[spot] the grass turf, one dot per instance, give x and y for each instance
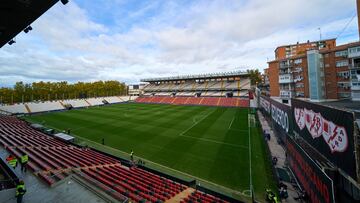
(211, 143)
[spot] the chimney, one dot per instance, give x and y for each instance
(358, 15)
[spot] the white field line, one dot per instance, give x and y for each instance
(193, 125)
(231, 122)
(214, 141)
(250, 171)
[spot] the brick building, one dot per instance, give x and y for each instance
(317, 70)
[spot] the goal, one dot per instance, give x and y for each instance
(251, 120)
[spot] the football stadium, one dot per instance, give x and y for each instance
(198, 130)
(107, 108)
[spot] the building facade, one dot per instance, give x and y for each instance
(289, 51)
(323, 72)
(136, 90)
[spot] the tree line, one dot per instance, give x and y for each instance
(255, 76)
(48, 91)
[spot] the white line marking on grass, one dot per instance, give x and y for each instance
(214, 141)
(250, 171)
(193, 125)
(231, 122)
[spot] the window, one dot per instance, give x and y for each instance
(344, 95)
(298, 61)
(343, 74)
(354, 50)
(341, 53)
(299, 85)
(298, 78)
(327, 65)
(344, 85)
(326, 55)
(297, 70)
(342, 63)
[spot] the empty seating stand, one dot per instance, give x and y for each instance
(52, 160)
(205, 101)
(198, 196)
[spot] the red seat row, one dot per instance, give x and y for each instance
(206, 101)
(136, 183)
(198, 196)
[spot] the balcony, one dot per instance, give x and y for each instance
(286, 78)
(354, 66)
(298, 70)
(285, 65)
(284, 71)
(354, 52)
(355, 88)
(286, 94)
(298, 78)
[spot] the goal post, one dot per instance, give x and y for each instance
(251, 120)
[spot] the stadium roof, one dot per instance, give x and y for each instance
(199, 76)
(17, 15)
(345, 104)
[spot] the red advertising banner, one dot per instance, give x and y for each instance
(318, 186)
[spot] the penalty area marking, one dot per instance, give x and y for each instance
(193, 125)
(231, 122)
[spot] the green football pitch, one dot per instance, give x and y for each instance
(209, 143)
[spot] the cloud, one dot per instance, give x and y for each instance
(126, 40)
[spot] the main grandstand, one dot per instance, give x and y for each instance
(218, 89)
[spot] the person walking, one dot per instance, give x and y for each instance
(24, 160)
(20, 191)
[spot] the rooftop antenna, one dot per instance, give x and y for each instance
(319, 32)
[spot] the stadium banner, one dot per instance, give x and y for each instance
(317, 184)
(281, 116)
(265, 104)
(328, 130)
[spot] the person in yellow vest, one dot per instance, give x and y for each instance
(13, 162)
(20, 191)
(23, 161)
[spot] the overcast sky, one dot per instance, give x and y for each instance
(128, 40)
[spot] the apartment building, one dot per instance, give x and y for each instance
(324, 72)
(289, 51)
